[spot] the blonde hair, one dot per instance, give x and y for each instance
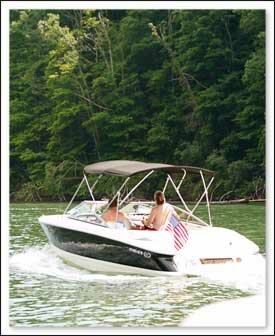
(159, 197)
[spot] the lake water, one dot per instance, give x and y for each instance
(44, 291)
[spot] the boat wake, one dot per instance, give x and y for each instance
(43, 261)
(247, 276)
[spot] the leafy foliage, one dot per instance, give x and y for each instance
(178, 86)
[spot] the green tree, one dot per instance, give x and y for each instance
(177, 86)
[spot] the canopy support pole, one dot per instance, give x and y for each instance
(99, 177)
(183, 177)
(165, 185)
(118, 192)
(195, 217)
(178, 186)
(177, 191)
(206, 195)
(118, 196)
(205, 192)
(135, 187)
(71, 201)
(90, 190)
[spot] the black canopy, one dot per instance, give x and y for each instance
(129, 168)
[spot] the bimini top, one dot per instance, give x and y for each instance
(129, 168)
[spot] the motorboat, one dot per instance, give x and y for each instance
(81, 236)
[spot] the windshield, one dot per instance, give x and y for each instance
(143, 208)
(88, 207)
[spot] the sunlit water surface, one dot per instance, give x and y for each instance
(46, 292)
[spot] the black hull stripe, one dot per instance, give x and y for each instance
(100, 248)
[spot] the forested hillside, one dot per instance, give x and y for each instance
(180, 86)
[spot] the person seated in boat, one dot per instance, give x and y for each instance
(157, 219)
(115, 218)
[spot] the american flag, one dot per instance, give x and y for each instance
(179, 231)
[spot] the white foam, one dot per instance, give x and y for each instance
(43, 261)
(248, 275)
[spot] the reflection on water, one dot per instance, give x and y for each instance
(47, 292)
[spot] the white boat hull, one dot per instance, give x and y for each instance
(149, 253)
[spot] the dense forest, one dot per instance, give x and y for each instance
(173, 86)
